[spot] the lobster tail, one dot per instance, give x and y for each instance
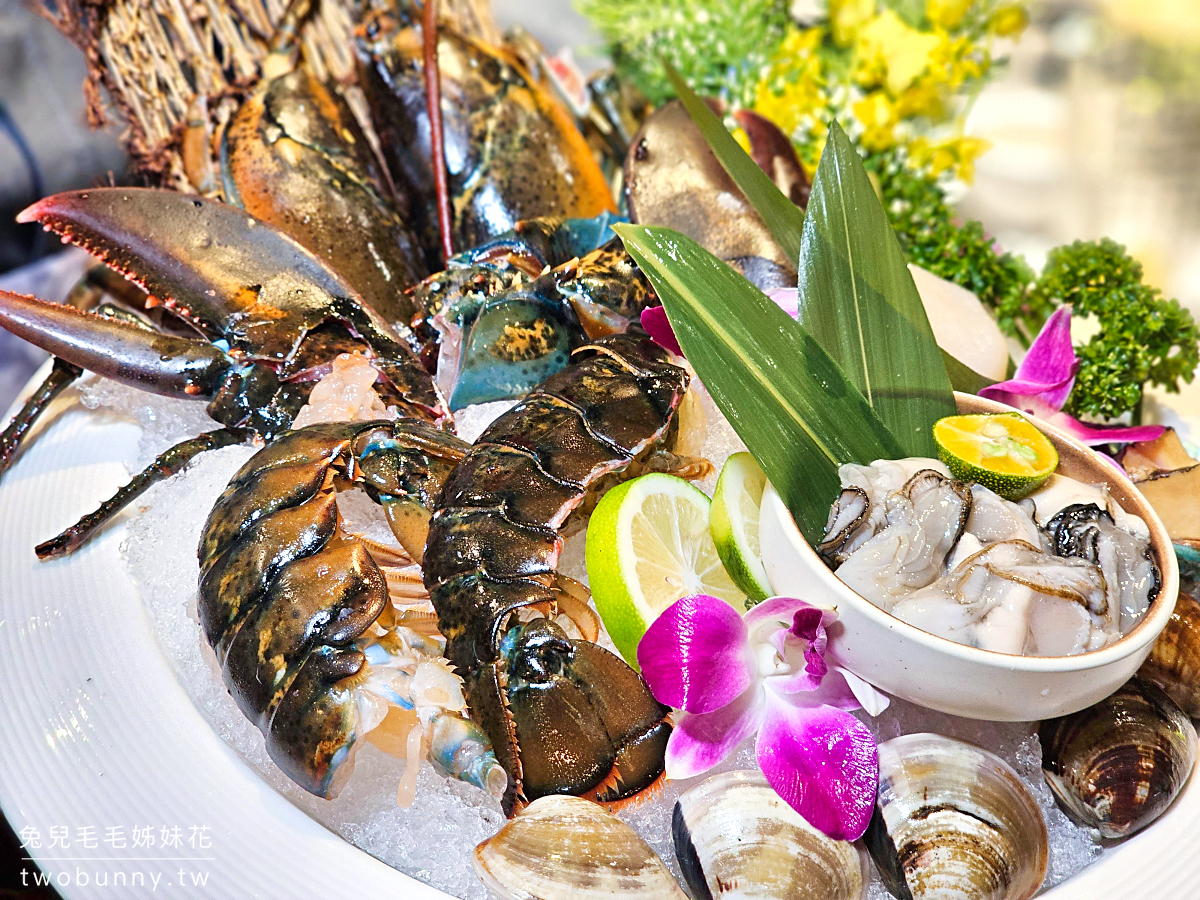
(287, 598)
(564, 715)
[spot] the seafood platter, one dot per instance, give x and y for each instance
(458, 469)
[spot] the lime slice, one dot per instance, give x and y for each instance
(733, 522)
(1004, 452)
(648, 544)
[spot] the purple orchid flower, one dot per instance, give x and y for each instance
(654, 319)
(1044, 380)
(765, 671)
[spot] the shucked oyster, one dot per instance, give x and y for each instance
(922, 524)
(1131, 577)
(967, 565)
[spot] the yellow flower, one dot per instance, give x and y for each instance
(922, 98)
(878, 117)
(955, 155)
(792, 90)
(904, 50)
(957, 60)
(946, 13)
(742, 138)
(846, 17)
(1009, 21)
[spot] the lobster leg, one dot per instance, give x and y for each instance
(61, 375)
(167, 464)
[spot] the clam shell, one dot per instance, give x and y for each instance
(1117, 765)
(568, 848)
(954, 821)
(1174, 661)
(736, 838)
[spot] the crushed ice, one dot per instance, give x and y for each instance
(432, 839)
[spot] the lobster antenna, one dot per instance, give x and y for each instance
(437, 138)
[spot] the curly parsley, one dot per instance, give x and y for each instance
(1143, 338)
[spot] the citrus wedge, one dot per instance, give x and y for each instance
(1004, 452)
(733, 521)
(648, 544)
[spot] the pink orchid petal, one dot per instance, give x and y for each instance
(700, 741)
(1017, 392)
(787, 299)
(803, 690)
(823, 762)
(1048, 370)
(695, 656)
(654, 320)
(796, 630)
(782, 611)
(1094, 435)
(1089, 435)
(809, 626)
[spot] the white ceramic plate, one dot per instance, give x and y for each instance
(96, 732)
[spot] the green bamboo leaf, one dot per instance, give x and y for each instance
(858, 299)
(782, 217)
(786, 398)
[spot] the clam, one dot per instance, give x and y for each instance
(568, 848)
(1174, 660)
(954, 821)
(736, 838)
(1117, 765)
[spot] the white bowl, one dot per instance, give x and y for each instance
(907, 662)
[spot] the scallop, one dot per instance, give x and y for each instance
(568, 848)
(954, 822)
(1117, 765)
(736, 839)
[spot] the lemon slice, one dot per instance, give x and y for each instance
(733, 522)
(1004, 452)
(648, 544)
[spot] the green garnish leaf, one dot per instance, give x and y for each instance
(787, 399)
(721, 47)
(783, 218)
(1143, 337)
(858, 299)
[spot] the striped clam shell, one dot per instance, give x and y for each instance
(1117, 765)
(1174, 661)
(568, 848)
(954, 822)
(736, 838)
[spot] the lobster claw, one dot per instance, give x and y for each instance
(228, 274)
(165, 364)
(580, 721)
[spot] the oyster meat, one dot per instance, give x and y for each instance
(1063, 572)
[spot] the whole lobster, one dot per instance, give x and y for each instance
(273, 312)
